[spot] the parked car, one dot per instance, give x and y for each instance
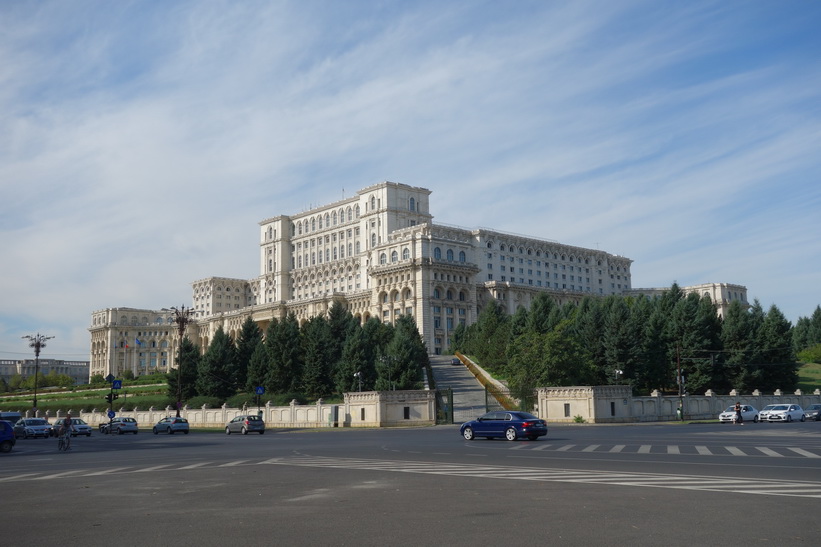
(120, 426)
(786, 413)
(80, 427)
(245, 423)
(455, 361)
(171, 425)
(748, 413)
(7, 438)
(12, 417)
(764, 413)
(510, 425)
(32, 427)
(813, 412)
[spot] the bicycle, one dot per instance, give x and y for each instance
(64, 441)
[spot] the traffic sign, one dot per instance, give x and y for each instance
(117, 384)
(260, 390)
(111, 414)
(109, 378)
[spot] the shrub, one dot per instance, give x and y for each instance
(579, 420)
(241, 399)
(200, 401)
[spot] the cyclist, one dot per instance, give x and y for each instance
(66, 427)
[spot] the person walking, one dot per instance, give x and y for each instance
(739, 419)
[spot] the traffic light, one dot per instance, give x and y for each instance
(116, 395)
(109, 398)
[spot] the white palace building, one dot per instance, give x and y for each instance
(381, 255)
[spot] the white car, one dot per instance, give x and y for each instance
(748, 413)
(785, 413)
(765, 412)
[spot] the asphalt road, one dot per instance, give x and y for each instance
(666, 484)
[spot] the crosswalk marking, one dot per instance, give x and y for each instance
(618, 448)
(769, 451)
(565, 448)
(735, 451)
(645, 449)
(673, 449)
(805, 453)
(591, 448)
(650, 480)
(704, 451)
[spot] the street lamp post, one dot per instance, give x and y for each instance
(359, 375)
(182, 316)
(38, 341)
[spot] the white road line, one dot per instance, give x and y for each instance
(644, 449)
(768, 451)
(591, 448)
(196, 465)
(673, 449)
(148, 469)
(232, 464)
(18, 477)
(735, 451)
(565, 448)
(57, 475)
(543, 446)
(704, 451)
(105, 471)
(618, 448)
(803, 452)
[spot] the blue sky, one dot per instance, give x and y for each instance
(142, 142)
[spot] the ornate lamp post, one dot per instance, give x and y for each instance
(182, 316)
(38, 341)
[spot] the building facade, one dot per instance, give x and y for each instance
(77, 370)
(380, 254)
(722, 294)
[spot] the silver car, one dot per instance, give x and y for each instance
(748, 414)
(120, 426)
(786, 413)
(244, 424)
(32, 427)
(78, 427)
(765, 412)
(171, 425)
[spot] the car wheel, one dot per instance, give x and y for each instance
(227, 430)
(789, 418)
(803, 418)
(510, 434)
(533, 437)
(755, 419)
(185, 431)
(468, 434)
(169, 431)
(120, 432)
(244, 431)
(262, 432)
(5, 447)
(88, 434)
(155, 431)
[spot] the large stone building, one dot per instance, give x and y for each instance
(380, 254)
(77, 370)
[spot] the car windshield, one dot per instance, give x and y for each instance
(770, 407)
(730, 409)
(36, 422)
(779, 407)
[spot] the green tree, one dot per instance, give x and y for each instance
(217, 368)
(355, 365)
(188, 358)
(399, 366)
(316, 366)
(249, 338)
(258, 366)
(780, 370)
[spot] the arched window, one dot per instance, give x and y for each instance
(334, 218)
(394, 256)
(313, 224)
(373, 240)
(327, 218)
(462, 296)
(412, 204)
(436, 293)
(373, 203)
(405, 253)
(437, 253)
(383, 259)
(502, 247)
(449, 295)
(461, 256)
(357, 247)
(450, 255)
(489, 245)
(300, 228)
(350, 214)
(356, 211)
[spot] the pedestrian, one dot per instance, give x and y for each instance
(739, 419)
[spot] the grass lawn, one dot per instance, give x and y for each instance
(809, 377)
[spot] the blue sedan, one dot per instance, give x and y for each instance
(510, 425)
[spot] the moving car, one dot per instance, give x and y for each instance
(171, 425)
(80, 427)
(786, 413)
(32, 427)
(813, 412)
(748, 413)
(7, 439)
(507, 424)
(455, 361)
(120, 426)
(245, 423)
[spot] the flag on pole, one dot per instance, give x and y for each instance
(137, 340)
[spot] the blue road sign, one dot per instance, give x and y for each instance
(111, 414)
(260, 390)
(117, 384)
(109, 378)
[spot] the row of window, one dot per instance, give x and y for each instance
(326, 221)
